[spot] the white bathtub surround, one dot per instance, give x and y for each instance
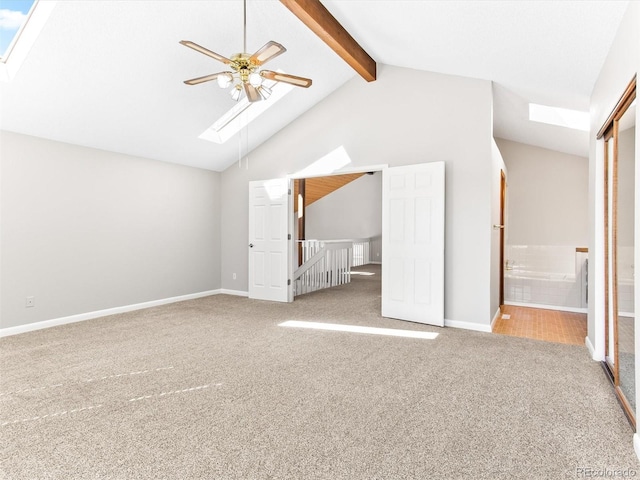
(546, 276)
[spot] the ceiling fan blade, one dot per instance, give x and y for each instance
(206, 51)
(283, 77)
(252, 93)
(267, 52)
(206, 78)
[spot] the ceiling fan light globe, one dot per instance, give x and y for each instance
(255, 79)
(264, 92)
(224, 80)
(236, 92)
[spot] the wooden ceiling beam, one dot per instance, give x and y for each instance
(315, 16)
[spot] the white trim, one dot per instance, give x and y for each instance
(375, 263)
(592, 351)
(495, 318)
(30, 327)
(237, 293)
(636, 444)
(548, 307)
(467, 325)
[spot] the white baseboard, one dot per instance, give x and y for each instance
(478, 327)
(495, 318)
(597, 356)
(592, 351)
(30, 327)
(237, 293)
(548, 307)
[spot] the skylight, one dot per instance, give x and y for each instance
(13, 17)
(562, 117)
(243, 113)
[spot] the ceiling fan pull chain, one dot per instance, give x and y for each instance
(246, 137)
(240, 148)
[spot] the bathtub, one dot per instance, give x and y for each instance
(563, 291)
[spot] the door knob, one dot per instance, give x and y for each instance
(251, 245)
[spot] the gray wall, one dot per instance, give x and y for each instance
(548, 195)
(353, 211)
(85, 230)
(443, 118)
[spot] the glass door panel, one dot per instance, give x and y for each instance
(624, 253)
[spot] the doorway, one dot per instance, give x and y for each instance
(412, 229)
(503, 199)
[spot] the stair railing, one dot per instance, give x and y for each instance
(327, 263)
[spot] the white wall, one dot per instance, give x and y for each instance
(353, 211)
(548, 196)
(85, 230)
(445, 118)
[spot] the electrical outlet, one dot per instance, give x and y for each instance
(234, 276)
(31, 302)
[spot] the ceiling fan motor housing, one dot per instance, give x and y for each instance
(242, 64)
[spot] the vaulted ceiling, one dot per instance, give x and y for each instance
(109, 75)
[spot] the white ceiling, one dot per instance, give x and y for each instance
(109, 75)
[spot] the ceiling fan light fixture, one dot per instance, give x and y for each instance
(225, 79)
(255, 79)
(236, 92)
(264, 92)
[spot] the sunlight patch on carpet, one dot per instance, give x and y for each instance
(172, 392)
(60, 414)
(358, 329)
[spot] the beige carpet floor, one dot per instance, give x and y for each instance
(214, 389)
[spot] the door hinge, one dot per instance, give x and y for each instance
(289, 281)
(289, 191)
(289, 236)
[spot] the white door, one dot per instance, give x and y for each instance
(269, 240)
(413, 243)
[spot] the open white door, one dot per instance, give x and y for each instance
(269, 240)
(413, 243)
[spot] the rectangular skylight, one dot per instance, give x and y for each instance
(13, 17)
(562, 117)
(243, 113)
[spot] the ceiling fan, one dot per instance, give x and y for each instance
(245, 73)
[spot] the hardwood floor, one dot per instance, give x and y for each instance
(540, 324)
